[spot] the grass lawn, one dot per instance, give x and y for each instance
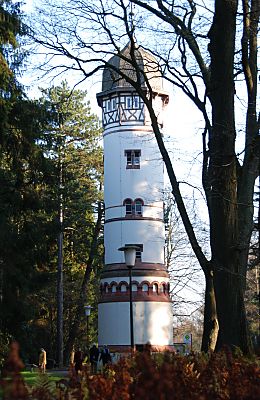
(31, 377)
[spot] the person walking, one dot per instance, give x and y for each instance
(78, 360)
(72, 357)
(105, 356)
(93, 358)
(42, 360)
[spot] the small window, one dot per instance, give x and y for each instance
(134, 287)
(135, 102)
(133, 207)
(132, 102)
(155, 288)
(113, 289)
(138, 207)
(145, 287)
(108, 105)
(123, 288)
(128, 207)
(129, 102)
(113, 104)
(136, 157)
(133, 158)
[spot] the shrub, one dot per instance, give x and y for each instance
(219, 376)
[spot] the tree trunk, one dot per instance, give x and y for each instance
(228, 281)
(82, 299)
(210, 326)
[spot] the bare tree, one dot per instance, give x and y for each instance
(184, 270)
(199, 52)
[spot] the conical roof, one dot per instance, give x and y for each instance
(145, 61)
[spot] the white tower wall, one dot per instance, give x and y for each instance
(149, 233)
(152, 323)
(125, 182)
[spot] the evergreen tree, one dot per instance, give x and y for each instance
(72, 142)
(24, 239)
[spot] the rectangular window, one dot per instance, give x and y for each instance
(136, 157)
(132, 102)
(114, 104)
(138, 256)
(108, 105)
(133, 158)
(135, 102)
(129, 102)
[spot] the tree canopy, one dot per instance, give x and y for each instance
(34, 136)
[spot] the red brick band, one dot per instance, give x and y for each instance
(138, 296)
(140, 347)
(133, 218)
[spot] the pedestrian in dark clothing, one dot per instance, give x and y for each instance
(93, 358)
(105, 356)
(78, 359)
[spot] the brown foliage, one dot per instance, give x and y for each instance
(220, 376)
(11, 380)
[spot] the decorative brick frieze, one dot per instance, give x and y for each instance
(121, 349)
(141, 291)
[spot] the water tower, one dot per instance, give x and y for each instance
(133, 186)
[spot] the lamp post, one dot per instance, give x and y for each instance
(130, 254)
(60, 294)
(87, 313)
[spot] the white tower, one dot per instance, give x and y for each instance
(133, 186)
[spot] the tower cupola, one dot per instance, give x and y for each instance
(119, 95)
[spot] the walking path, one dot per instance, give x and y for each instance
(61, 372)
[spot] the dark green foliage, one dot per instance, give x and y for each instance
(71, 141)
(34, 136)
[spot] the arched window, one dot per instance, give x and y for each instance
(128, 203)
(138, 206)
(133, 207)
(134, 287)
(145, 287)
(155, 288)
(113, 288)
(123, 287)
